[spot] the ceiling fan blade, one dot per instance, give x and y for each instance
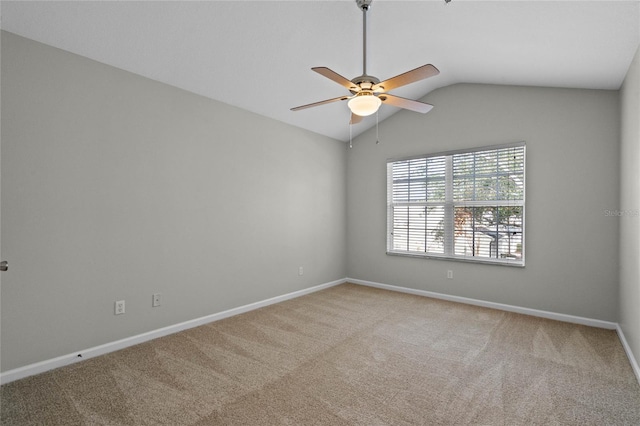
(355, 119)
(410, 104)
(327, 101)
(408, 77)
(332, 75)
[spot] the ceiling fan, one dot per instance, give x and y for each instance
(367, 91)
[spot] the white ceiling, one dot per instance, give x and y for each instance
(257, 55)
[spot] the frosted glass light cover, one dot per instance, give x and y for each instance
(364, 105)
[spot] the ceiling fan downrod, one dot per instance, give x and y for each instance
(364, 6)
(364, 81)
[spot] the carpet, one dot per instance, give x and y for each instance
(347, 355)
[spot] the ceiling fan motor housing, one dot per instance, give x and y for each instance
(364, 82)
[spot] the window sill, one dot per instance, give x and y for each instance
(483, 261)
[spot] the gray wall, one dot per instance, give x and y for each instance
(630, 202)
(116, 187)
(572, 141)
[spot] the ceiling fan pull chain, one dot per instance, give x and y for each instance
(350, 135)
(377, 135)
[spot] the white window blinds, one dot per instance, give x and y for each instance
(466, 205)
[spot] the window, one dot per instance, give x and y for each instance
(464, 205)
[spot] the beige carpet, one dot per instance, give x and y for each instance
(348, 355)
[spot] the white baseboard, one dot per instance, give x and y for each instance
(500, 306)
(627, 349)
(61, 361)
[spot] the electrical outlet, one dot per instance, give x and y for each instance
(157, 300)
(300, 270)
(450, 274)
(119, 307)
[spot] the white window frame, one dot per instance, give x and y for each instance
(449, 205)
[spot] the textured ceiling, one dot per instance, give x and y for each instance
(257, 55)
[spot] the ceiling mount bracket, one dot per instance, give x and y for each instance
(364, 4)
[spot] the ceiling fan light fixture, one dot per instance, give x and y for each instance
(368, 91)
(364, 103)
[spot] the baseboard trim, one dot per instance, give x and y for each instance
(627, 349)
(500, 306)
(61, 361)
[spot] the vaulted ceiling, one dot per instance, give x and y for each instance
(257, 55)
